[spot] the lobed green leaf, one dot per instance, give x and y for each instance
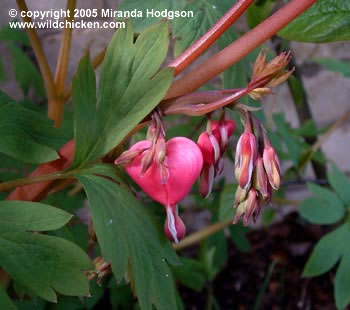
(129, 239)
(130, 87)
(25, 134)
(45, 264)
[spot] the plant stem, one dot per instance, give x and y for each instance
(31, 180)
(214, 228)
(238, 49)
(204, 42)
(56, 107)
(39, 54)
(202, 234)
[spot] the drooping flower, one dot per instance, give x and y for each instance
(184, 161)
(260, 179)
(213, 144)
(272, 166)
(246, 153)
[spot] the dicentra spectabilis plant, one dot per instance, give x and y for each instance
(126, 233)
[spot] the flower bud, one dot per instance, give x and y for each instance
(226, 130)
(260, 179)
(206, 180)
(174, 227)
(206, 147)
(272, 166)
(245, 159)
(247, 207)
(240, 195)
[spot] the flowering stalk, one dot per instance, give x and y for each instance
(56, 107)
(39, 54)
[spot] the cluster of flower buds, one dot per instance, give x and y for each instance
(271, 74)
(213, 144)
(166, 171)
(101, 269)
(257, 169)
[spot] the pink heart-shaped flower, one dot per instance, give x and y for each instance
(184, 160)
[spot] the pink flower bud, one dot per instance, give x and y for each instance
(184, 162)
(206, 180)
(174, 227)
(247, 207)
(260, 179)
(245, 159)
(226, 129)
(272, 166)
(206, 148)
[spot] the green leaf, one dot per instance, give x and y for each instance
(259, 11)
(25, 133)
(190, 274)
(84, 107)
(130, 87)
(44, 264)
(238, 235)
(307, 129)
(325, 21)
(128, 237)
(342, 281)
(227, 199)
(318, 211)
(188, 30)
(32, 216)
(324, 208)
(26, 73)
(340, 183)
(335, 65)
(327, 252)
(8, 34)
(5, 301)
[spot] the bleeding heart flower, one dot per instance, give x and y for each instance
(213, 144)
(272, 166)
(184, 162)
(245, 159)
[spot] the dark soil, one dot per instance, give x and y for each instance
(289, 245)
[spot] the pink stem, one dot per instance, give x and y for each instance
(238, 49)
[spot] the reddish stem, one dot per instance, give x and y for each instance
(238, 49)
(204, 42)
(37, 191)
